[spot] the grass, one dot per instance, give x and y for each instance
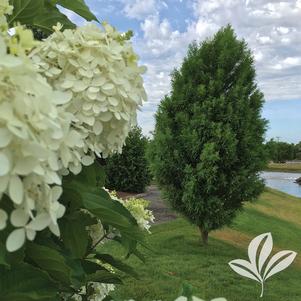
(180, 258)
(284, 167)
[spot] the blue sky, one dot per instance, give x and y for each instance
(163, 30)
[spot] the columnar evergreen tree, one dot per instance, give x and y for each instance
(129, 171)
(208, 141)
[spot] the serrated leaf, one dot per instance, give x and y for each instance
(78, 275)
(244, 268)
(79, 7)
(93, 175)
(284, 258)
(49, 17)
(26, 283)
(91, 267)
(104, 276)
(74, 236)
(130, 246)
(108, 210)
(25, 11)
(118, 264)
(51, 261)
(3, 252)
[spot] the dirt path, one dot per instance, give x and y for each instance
(160, 210)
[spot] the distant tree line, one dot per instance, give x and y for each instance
(279, 151)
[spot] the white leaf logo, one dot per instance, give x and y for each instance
(258, 267)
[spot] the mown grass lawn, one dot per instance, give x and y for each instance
(284, 167)
(180, 258)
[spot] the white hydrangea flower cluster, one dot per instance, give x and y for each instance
(5, 9)
(97, 292)
(143, 216)
(54, 121)
(100, 291)
(96, 232)
(32, 134)
(183, 298)
(138, 209)
(99, 68)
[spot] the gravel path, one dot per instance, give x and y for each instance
(160, 210)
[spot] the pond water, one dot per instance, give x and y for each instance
(283, 181)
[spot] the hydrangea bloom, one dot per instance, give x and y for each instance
(33, 133)
(143, 216)
(138, 209)
(5, 9)
(83, 101)
(97, 292)
(99, 68)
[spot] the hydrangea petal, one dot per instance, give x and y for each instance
(5, 137)
(4, 164)
(54, 229)
(15, 240)
(19, 218)
(87, 160)
(16, 190)
(31, 234)
(40, 222)
(3, 183)
(25, 166)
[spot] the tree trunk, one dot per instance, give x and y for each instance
(204, 235)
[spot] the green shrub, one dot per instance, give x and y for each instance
(129, 170)
(208, 140)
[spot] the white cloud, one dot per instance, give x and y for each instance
(138, 9)
(289, 62)
(264, 39)
(271, 29)
(283, 30)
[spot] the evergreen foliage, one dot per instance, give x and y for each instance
(129, 170)
(208, 142)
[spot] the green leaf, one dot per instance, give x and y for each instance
(25, 11)
(51, 261)
(93, 175)
(75, 236)
(113, 213)
(38, 13)
(99, 202)
(3, 252)
(187, 291)
(79, 7)
(118, 264)
(26, 283)
(98, 273)
(104, 276)
(130, 246)
(78, 275)
(91, 267)
(49, 17)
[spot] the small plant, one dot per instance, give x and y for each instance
(260, 267)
